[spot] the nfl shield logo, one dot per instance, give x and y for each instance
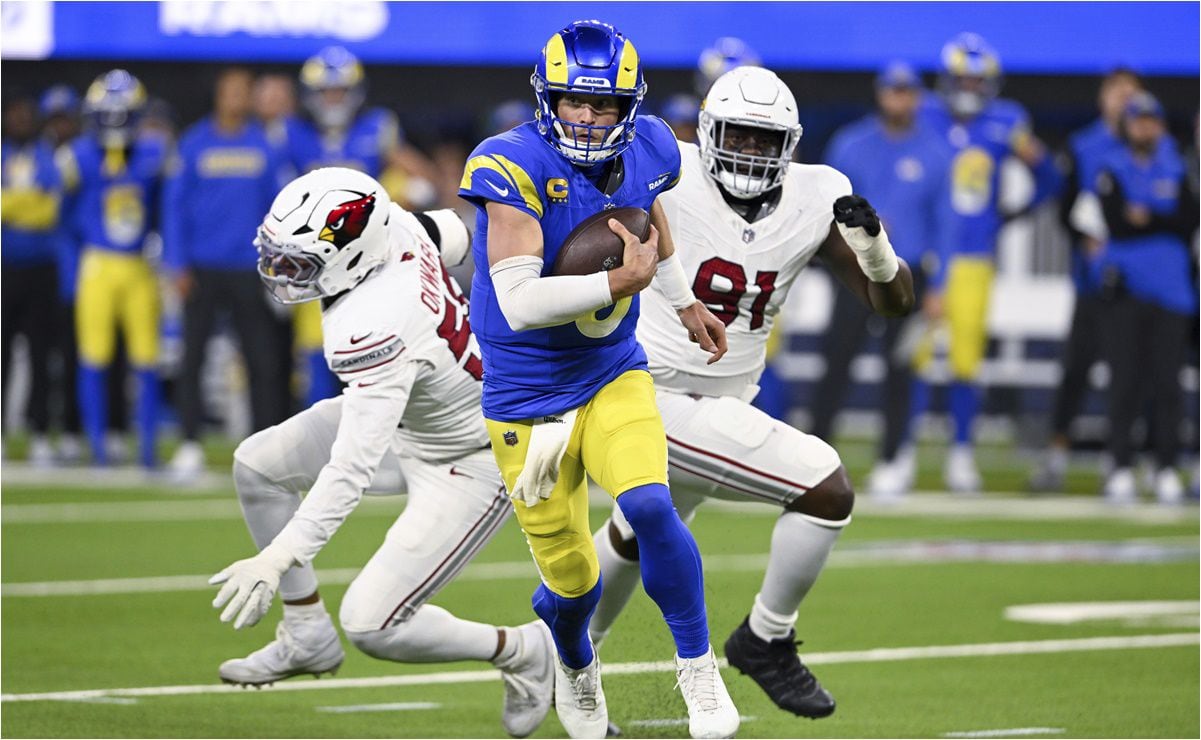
(748, 236)
(510, 438)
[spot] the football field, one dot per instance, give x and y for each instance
(1001, 616)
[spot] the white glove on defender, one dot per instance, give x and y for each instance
(250, 585)
(861, 230)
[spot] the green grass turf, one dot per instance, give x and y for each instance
(153, 639)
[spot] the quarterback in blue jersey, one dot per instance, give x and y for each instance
(112, 177)
(566, 389)
(983, 130)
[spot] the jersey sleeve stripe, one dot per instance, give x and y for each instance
(483, 161)
(357, 350)
(735, 463)
(524, 183)
(370, 367)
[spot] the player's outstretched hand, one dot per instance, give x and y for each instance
(250, 585)
(705, 329)
(638, 262)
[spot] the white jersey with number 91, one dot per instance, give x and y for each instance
(741, 271)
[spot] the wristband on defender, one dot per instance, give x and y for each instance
(674, 283)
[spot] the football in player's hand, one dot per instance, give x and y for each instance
(593, 247)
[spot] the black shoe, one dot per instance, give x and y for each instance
(779, 672)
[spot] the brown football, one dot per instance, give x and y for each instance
(593, 247)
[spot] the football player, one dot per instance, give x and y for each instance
(566, 390)
(112, 176)
(748, 220)
(337, 131)
(983, 130)
(396, 332)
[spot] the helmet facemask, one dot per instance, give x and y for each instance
(290, 273)
(582, 143)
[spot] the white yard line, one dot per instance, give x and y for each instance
(1003, 506)
(1015, 732)
(877, 655)
(397, 706)
(673, 722)
(868, 554)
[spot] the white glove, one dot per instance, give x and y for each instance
(543, 456)
(250, 585)
(861, 230)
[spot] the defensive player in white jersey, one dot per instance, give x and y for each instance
(396, 332)
(748, 221)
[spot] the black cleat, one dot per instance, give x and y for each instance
(778, 670)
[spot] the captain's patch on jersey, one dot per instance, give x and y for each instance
(365, 358)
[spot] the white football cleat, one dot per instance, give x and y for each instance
(41, 454)
(1168, 488)
(887, 484)
(711, 711)
(529, 678)
(301, 646)
(1121, 488)
(70, 451)
(580, 700)
(187, 464)
(960, 473)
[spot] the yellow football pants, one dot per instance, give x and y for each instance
(116, 290)
(618, 441)
(968, 290)
(306, 323)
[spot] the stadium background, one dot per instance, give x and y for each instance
(443, 71)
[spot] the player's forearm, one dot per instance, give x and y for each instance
(895, 297)
(667, 246)
(530, 301)
(364, 436)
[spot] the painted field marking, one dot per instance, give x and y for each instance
(1130, 613)
(1017, 731)
(870, 554)
(396, 706)
(877, 655)
(673, 722)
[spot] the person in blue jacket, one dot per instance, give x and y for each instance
(1086, 148)
(1149, 213)
(28, 224)
(222, 180)
(902, 167)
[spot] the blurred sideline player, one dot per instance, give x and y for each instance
(902, 167)
(396, 332)
(1086, 149)
(566, 391)
(29, 221)
(982, 130)
(748, 220)
(112, 178)
(339, 132)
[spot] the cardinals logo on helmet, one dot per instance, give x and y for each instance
(346, 222)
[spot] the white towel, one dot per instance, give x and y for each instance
(548, 441)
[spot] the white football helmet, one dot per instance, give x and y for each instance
(752, 98)
(325, 232)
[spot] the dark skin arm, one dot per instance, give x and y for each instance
(894, 298)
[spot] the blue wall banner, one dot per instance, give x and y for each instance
(1050, 37)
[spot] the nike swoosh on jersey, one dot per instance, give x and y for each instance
(356, 340)
(503, 192)
(455, 471)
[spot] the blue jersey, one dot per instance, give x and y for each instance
(364, 146)
(220, 186)
(547, 371)
(30, 201)
(980, 145)
(1155, 267)
(906, 178)
(114, 193)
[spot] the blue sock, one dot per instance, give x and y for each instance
(965, 403)
(92, 388)
(322, 382)
(919, 403)
(568, 621)
(671, 565)
(147, 415)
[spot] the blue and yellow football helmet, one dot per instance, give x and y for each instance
(112, 107)
(334, 87)
(970, 75)
(727, 53)
(588, 58)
